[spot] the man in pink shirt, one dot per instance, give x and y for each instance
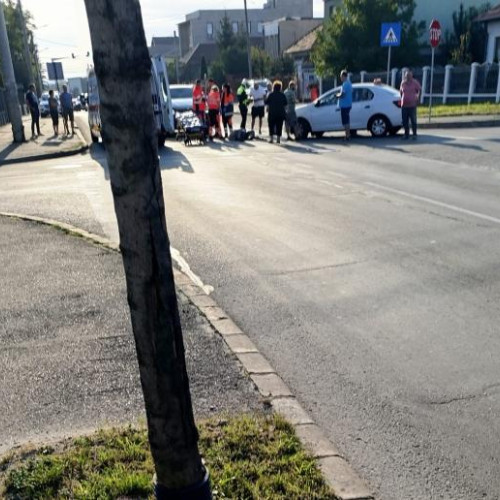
(410, 94)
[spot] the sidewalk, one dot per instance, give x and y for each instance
(44, 147)
(68, 363)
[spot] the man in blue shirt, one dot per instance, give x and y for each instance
(345, 103)
(66, 100)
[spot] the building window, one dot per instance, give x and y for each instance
(496, 55)
(235, 27)
(260, 28)
(331, 11)
(210, 30)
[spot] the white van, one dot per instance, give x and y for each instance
(160, 95)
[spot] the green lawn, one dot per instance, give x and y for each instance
(483, 108)
(248, 458)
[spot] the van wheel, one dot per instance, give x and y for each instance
(302, 129)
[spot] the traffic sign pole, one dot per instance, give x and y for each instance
(434, 39)
(432, 83)
(389, 64)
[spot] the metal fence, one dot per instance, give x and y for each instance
(451, 84)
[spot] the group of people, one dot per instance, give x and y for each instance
(220, 106)
(66, 101)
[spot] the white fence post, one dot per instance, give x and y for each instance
(394, 74)
(473, 79)
(425, 78)
(362, 75)
(497, 97)
(447, 79)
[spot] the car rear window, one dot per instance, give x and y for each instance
(185, 93)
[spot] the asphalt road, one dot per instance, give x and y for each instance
(367, 273)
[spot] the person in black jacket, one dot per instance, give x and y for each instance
(276, 102)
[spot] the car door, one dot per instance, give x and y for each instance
(326, 113)
(362, 107)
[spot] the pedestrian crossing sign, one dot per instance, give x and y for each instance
(390, 35)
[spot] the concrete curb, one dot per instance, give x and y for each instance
(50, 156)
(340, 476)
(460, 124)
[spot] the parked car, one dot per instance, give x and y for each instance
(375, 107)
(182, 97)
(77, 105)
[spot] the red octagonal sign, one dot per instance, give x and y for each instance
(435, 33)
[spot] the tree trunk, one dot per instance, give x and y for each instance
(123, 69)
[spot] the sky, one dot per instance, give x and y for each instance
(62, 29)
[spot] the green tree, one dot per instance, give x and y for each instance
(232, 58)
(351, 37)
(467, 43)
(14, 20)
(261, 62)
(282, 67)
(203, 68)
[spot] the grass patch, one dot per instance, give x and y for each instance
(248, 458)
(480, 108)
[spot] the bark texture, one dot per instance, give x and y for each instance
(123, 69)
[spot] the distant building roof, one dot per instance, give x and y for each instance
(167, 46)
(491, 15)
(207, 50)
(306, 43)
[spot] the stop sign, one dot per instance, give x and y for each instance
(435, 33)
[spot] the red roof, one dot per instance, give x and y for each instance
(491, 15)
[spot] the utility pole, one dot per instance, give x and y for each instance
(248, 42)
(27, 55)
(13, 108)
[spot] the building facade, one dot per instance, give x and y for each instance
(202, 26)
(492, 21)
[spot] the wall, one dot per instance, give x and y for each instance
(493, 36)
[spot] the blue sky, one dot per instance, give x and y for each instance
(62, 25)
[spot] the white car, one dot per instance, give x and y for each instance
(182, 97)
(375, 107)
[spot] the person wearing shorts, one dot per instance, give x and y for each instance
(345, 103)
(67, 110)
(258, 94)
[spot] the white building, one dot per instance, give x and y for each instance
(492, 20)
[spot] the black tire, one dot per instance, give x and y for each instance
(302, 130)
(394, 130)
(379, 126)
(318, 135)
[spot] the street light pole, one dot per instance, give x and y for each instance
(13, 108)
(248, 41)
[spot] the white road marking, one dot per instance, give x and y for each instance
(454, 208)
(181, 262)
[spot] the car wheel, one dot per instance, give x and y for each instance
(379, 126)
(318, 135)
(302, 129)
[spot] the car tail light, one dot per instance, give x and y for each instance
(397, 103)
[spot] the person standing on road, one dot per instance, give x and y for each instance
(257, 94)
(227, 109)
(67, 110)
(214, 113)
(276, 102)
(54, 112)
(32, 102)
(345, 103)
(410, 93)
(291, 116)
(242, 96)
(199, 101)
